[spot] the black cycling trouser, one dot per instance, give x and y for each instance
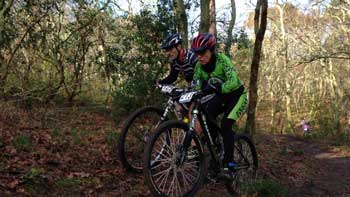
(232, 103)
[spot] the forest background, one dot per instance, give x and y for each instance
(104, 56)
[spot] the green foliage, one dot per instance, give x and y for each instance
(68, 183)
(57, 132)
(76, 136)
(142, 65)
(242, 40)
(112, 138)
(326, 122)
(34, 172)
(87, 53)
(22, 142)
(265, 187)
(298, 152)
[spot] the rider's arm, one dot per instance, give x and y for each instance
(197, 76)
(232, 83)
(189, 74)
(171, 78)
(189, 70)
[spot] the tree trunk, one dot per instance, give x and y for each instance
(205, 17)
(273, 111)
(285, 66)
(260, 19)
(257, 20)
(212, 25)
(181, 19)
(229, 40)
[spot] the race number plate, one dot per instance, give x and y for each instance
(187, 97)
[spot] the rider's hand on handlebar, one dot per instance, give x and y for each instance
(156, 83)
(216, 87)
(212, 88)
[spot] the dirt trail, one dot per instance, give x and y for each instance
(304, 168)
(329, 169)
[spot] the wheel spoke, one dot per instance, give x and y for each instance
(167, 175)
(163, 183)
(246, 159)
(163, 174)
(186, 184)
(141, 124)
(160, 154)
(171, 186)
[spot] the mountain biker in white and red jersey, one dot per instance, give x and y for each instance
(182, 60)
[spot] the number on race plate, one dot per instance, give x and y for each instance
(186, 97)
(167, 89)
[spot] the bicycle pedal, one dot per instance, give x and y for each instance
(227, 174)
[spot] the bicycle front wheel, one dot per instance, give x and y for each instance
(169, 170)
(247, 165)
(134, 135)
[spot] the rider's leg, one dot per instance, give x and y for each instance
(228, 136)
(234, 109)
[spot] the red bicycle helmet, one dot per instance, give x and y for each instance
(203, 41)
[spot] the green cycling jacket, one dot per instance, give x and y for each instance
(224, 70)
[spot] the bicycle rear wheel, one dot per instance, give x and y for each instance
(165, 173)
(134, 135)
(247, 165)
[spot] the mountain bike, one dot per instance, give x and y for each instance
(141, 123)
(175, 156)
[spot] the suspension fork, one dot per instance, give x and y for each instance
(209, 139)
(177, 108)
(165, 113)
(200, 116)
(189, 135)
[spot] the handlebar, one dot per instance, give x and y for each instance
(171, 90)
(175, 92)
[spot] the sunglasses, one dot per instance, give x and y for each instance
(201, 52)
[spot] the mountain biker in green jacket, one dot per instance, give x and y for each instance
(230, 96)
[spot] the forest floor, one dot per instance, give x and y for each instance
(65, 151)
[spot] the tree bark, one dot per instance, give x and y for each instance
(205, 17)
(181, 20)
(285, 66)
(257, 17)
(260, 19)
(229, 40)
(212, 12)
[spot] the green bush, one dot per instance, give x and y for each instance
(135, 70)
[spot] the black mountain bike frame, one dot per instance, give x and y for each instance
(171, 104)
(199, 114)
